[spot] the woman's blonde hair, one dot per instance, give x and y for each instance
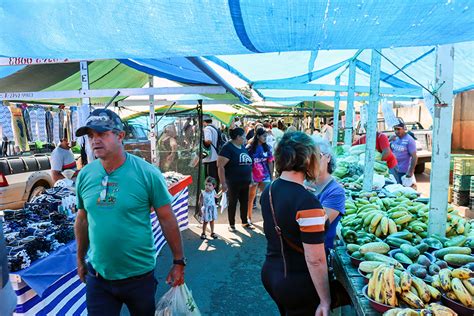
(297, 151)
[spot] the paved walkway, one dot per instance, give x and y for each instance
(223, 274)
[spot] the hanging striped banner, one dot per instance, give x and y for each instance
(67, 296)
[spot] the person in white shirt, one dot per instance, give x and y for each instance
(210, 141)
(62, 159)
(328, 131)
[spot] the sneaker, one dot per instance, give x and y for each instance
(203, 236)
(248, 226)
(232, 228)
(214, 236)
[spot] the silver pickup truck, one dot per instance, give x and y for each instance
(22, 178)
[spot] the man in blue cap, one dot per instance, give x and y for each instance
(114, 196)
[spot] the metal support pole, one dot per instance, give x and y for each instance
(350, 104)
(337, 98)
(201, 139)
(153, 127)
(86, 102)
(442, 129)
(372, 120)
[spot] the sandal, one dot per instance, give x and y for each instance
(203, 236)
(214, 235)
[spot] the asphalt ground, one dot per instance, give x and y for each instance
(223, 274)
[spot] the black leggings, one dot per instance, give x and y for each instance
(237, 192)
(294, 295)
(210, 170)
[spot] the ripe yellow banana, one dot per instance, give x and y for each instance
(462, 294)
(445, 279)
(405, 281)
(462, 273)
(378, 274)
(384, 225)
(412, 300)
(435, 294)
(379, 287)
(451, 295)
(440, 310)
(469, 285)
(436, 283)
(372, 282)
(422, 289)
(392, 227)
(389, 287)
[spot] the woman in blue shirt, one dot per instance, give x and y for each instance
(330, 193)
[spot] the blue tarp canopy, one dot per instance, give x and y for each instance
(398, 70)
(177, 69)
(90, 29)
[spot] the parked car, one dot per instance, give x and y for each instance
(136, 141)
(423, 139)
(22, 178)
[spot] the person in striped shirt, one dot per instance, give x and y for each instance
(295, 270)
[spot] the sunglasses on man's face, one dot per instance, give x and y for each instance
(104, 183)
(397, 128)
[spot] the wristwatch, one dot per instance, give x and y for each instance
(181, 262)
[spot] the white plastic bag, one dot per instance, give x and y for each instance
(178, 301)
(224, 202)
(379, 182)
(408, 182)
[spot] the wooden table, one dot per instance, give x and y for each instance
(353, 282)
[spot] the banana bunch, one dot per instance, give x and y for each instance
(383, 217)
(382, 286)
(433, 309)
(390, 286)
(458, 285)
(458, 225)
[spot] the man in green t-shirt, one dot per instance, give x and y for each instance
(113, 227)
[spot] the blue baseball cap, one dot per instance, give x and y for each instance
(101, 120)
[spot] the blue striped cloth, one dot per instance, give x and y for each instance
(68, 295)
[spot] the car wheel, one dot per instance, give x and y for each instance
(420, 168)
(37, 190)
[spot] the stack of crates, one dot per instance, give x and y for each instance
(471, 205)
(462, 174)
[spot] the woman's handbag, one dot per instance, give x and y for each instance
(339, 295)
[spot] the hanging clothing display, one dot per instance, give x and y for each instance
(41, 116)
(33, 123)
(74, 122)
(26, 118)
(6, 122)
(67, 125)
(61, 123)
(19, 128)
(49, 126)
(56, 127)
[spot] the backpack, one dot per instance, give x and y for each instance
(221, 139)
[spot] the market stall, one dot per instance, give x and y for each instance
(388, 259)
(50, 284)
